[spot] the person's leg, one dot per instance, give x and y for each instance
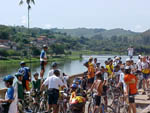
(129, 108)
(42, 69)
(55, 108)
(133, 105)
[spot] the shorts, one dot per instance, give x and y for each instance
(91, 80)
(131, 98)
(145, 76)
(97, 100)
(26, 84)
(104, 90)
(53, 95)
(42, 65)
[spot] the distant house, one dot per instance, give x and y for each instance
(4, 42)
(4, 47)
(44, 40)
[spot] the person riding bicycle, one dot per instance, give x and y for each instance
(26, 75)
(131, 88)
(97, 89)
(8, 104)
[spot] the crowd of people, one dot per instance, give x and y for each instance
(129, 76)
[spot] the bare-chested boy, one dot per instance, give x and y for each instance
(97, 88)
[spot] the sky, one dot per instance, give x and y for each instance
(108, 14)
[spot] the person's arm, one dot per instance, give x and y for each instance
(45, 83)
(91, 89)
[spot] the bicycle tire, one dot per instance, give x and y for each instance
(109, 109)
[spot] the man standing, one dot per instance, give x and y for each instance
(53, 82)
(130, 52)
(26, 75)
(43, 60)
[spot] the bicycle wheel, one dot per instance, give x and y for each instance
(109, 109)
(90, 108)
(125, 109)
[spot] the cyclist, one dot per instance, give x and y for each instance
(97, 88)
(53, 82)
(19, 86)
(26, 75)
(131, 88)
(77, 101)
(105, 82)
(91, 72)
(36, 83)
(43, 60)
(145, 72)
(8, 104)
(20, 90)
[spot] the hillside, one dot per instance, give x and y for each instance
(93, 32)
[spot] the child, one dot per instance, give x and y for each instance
(7, 103)
(37, 82)
(131, 88)
(19, 86)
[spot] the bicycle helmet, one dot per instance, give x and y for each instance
(8, 78)
(74, 86)
(18, 74)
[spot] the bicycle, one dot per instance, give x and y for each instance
(102, 108)
(62, 102)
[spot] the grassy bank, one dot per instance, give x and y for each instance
(50, 59)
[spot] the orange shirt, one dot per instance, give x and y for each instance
(132, 86)
(91, 71)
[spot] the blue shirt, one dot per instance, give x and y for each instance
(43, 55)
(25, 71)
(10, 93)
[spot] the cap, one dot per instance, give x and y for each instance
(54, 64)
(22, 62)
(90, 58)
(128, 59)
(45, 46)
(36, 73)
(18, 74)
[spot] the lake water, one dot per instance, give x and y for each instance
(68, 67)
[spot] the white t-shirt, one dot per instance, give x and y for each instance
(139, 65)
(51, 72)
(121, 80)
(130, 51)
(117, 73)
(105, 76)
(144, 65)
(53, 82)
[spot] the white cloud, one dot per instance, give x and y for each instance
(47, 26)
(139, 28)
(24, 20)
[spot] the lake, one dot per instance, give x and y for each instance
(68, 67)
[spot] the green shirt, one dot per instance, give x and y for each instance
(20, 91)
(36, 84)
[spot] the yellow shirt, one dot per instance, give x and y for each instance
(91, 71)
(109, 69)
